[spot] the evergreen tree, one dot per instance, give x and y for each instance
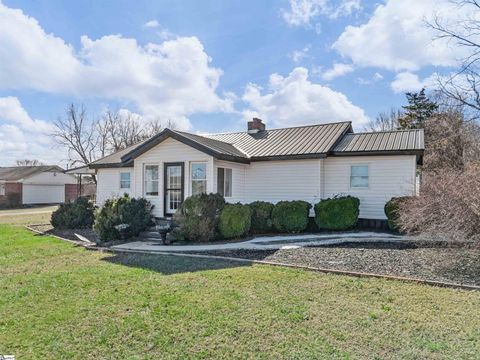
(419, 109)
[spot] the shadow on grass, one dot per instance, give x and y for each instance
(170, 264)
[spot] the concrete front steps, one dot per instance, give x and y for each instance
(151, 234)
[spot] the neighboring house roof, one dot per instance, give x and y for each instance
(16, 173)
(400, 141)
(303, 142)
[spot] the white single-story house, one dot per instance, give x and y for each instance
(300, 163)
(28, 185)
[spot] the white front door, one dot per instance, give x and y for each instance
(174, 184)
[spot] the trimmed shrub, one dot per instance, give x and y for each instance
(261, 217)
(235, 220)
(291, 216)
(137, 213)
(197, 218)
(392, 211)
(74, 215)
(338, 213)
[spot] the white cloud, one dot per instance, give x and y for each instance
(337, 70)
(302, 12)
(345, 8)
(152, 24)
(171, 79)
(295, 100)
(376, 77)
(299, 55)
(407, 81)
(22, 137)
(396, 36)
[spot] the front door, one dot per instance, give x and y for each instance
(173, 187)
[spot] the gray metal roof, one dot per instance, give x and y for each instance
(287, 142)
(16, 173)
(213, 144)
(116, 157)
(382, 141)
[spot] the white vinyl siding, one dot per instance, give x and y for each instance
(170, 151)
(388, 176)
(283, 180)
(108, 184)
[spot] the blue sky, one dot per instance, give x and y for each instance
(210, 65)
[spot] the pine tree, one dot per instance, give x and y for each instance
(419, 109)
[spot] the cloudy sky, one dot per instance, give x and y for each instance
(209, 65)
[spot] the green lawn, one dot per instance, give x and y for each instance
(60, 301)
(25, 216)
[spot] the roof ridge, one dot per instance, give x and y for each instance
(284, 128)
(383, 131)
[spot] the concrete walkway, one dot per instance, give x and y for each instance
(264, 242)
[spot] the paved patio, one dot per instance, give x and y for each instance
(265, 242)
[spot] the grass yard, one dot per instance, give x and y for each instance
(25, 216)
(59, 301)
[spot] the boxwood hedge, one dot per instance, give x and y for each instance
(291, 216)
(338, 213)
(235, 220)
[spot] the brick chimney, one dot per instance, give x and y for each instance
(255, 126)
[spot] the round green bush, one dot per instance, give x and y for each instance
(338, 213)
(391, 212)
(137, 213)
(78, 214)
(291, 216)
(261, 217)
(197, 218)
(235, 220)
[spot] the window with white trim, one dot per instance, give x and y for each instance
(151, 180)
(124, 180)
(198, 176)
(359, 176)
(2, 189)
(224, 182)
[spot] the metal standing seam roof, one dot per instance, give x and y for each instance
(288, 143)
(116, 157)
(382, 141)
(303, 140)
(16, 173)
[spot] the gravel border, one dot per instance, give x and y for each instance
(435, 261)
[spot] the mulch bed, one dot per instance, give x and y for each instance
(447, 262)
(66, 234)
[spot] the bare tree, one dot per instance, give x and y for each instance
(463, 86)
(79, 135)
(28, 162)
(386, 121)
(87, 139)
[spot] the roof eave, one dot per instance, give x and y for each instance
(378, 152)
(111, 165)
(288, 157)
